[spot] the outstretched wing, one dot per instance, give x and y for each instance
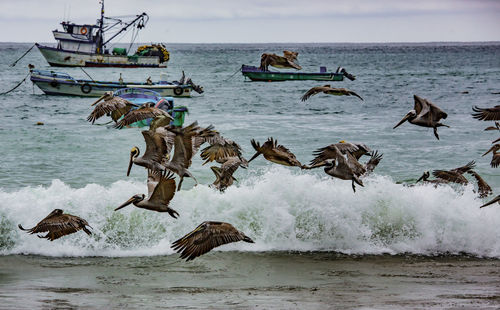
(483, 188)
(164, 191)
(486, 114)
(313, 91)
(205, 237)
(139, 115)
(117, 106)
(59, 226)
(219, 151)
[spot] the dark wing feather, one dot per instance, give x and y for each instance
(139, 115)
(313, 91)
(205, 237)
(482, 187)
(451, 176)
(487, 114)
(59, 226)
(219, 151)
(164, 191)
(117, 106)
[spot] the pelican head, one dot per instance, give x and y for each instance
(107, 95)
(134, 153)
(134, 199)
(495, 148)
(409, 116)
(424, 176)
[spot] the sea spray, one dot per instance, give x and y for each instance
(281, 209)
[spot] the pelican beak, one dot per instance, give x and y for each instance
(254, 156)
(132, 154)
(126, 203)
(407, 116)
(97, 101)
(491, 149)
(421, 178)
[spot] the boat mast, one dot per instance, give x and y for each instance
(141, 25)
(100, 31)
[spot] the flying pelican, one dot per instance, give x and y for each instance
(275, 153)
(455, 175)
(372, 162)
(58, 224)
(495, 160)
(425, 179)
(425, 114)
(328, 152)
(487, 114)
(142, 113)
(224, 173)
(345, 169)
(205, 237)
(156, 151)
(113, 105)
(220, 150)
(157, 200)
(327, 89)
(496, 127)
(496, 199)
(483, 188)
(286, 61)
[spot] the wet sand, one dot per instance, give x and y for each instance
(234, 280)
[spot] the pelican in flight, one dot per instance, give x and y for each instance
(275, 153)
(112, 105)
(425, 179)
(425, 114)
(483, 188)
(455, 175)
(224, 173)
(327, 89)
(158, 199)
(157, 149)
(345, 169)
(144, 112)
(496, 199)
(205, 237)
(487, 114)
(59, 224)
(495, 160)
(329, 152)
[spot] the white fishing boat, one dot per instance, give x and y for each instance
(84, 45)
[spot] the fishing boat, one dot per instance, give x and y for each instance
(84, 45)
(60, 83)
(142, 96)
(257, 74)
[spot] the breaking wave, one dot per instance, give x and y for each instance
(280, 209)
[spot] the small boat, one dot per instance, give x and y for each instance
(84, 45)
(59, 83)
(256, 74)
(140, 96)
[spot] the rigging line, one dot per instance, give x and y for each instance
(16, 85)
(15, 62)
(87, 74)
(233, 74)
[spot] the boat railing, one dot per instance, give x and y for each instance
(137, 91)
(53, 74)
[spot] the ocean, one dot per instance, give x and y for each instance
(317, 244)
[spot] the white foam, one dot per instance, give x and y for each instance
(281, 209)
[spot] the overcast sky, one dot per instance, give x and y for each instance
(249, 21)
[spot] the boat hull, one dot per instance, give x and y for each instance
(71, 87)
(255, 74)
(61, 58)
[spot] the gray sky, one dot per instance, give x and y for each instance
(247, 21)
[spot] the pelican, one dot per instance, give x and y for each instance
(496, 127)
(455, 175)
(196, 88)
(495, 160)
(487, 114)
(425, 114)
(425, 179)
(286, 61)
(157, 200)
(144, 112)
(328, 152)
(224, 173)
(205, 237)
(373, 162)
(327, 89)
(59, 224)
(275, 153)
(345, 169)
(483, 188)
(114, 105)
(496, 199)
(220, 150)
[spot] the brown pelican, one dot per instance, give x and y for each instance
(224, 173)
(483, 188)
(496, 199)
(425, 179)
(159, 199)
(144, 112)
(425, 114)
(288, 60)
(487, 114)
(220, 150)
(495, 160)
(345, 169)
(373, 162)
(496, 127)
(115, 106)
(455, 175)
(58, 224)
(328, 152)
(327, 89)
(205, 237)
(156, 151)
(275, 153)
